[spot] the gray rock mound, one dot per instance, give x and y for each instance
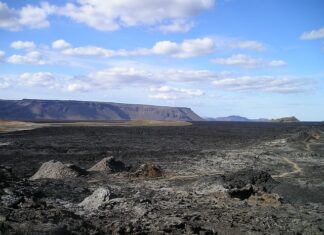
(97, 199)
(57, 170)
(109, 164)
(148, 170)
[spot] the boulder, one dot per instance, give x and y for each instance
(57, 170)
(97, 199)
(258, 179)
(247, 182)
(109, 164)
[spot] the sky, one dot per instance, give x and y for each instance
(258, 59)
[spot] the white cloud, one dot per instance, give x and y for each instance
(32, 57)
(264, 84)
(114, 14)
(177, 26)
(4, 83)
(33, 17)
(121, 76)
(313, 35)
(41, 79)
(173, 93)
(78, 87)
(61, 44)
(186, 49)
(247, 61)
(167, 15)
(29, 16)
(8, 18)
(251, 45)
(26, 45)
(2, 56)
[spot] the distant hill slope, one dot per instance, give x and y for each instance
(285, 119)
(29, 109)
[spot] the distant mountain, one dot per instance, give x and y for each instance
(229, 119)
(30, 109)
(285, 119)
(235, 118)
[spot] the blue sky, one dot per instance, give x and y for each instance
(251, 58)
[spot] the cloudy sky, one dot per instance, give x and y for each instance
(219, 57)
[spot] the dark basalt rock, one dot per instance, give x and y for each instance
(6, 175)
(260, 179)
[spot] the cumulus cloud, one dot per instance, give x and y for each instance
(248, 62)
(108, 15)
(33, 17)
(313, 35)
(40, 79)
(112, 15)
(177, 26)
(173, 93)
(121, 76)
(28, 16)
(251, 45)
(61, 44)
(32, 57)
(264, 84)
(25, 45)
(186, 49)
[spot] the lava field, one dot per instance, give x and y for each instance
(204, 178)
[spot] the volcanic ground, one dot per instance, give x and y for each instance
(204, 178)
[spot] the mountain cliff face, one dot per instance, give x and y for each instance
(29, 109)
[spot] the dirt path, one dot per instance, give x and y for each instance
(296, 169)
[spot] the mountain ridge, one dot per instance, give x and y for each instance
(237, 118)
(38, 109)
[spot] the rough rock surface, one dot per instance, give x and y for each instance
(250, 177)
(148, 170)
(109, 164)
(57, 170)
(6, 176)
(97, 199)
(304, 135)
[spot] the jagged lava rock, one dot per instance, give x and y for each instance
(148, 170)
(6, 175)
(109, 164)
(57, 170)
(243, 178)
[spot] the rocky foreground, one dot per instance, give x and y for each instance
(225, 180)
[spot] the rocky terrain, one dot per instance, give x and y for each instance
(204, 178)
(58, 110)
